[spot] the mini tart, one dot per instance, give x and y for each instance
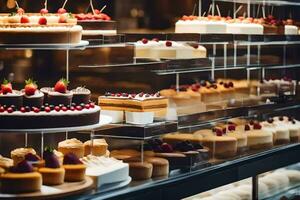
(160, 166)
(74, 173)
(140, 170)
(14, 183)
(52, 176)
(99, 147)
(71, 146)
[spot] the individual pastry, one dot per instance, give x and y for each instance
(71, 146)
(239, 135)
(74, 168)
(81, 95)
(281, 134)
(28, 154)
(140, 170)
(160, 166)
(52, 173)
(97, 148)
(9, 97)
(60, 94)
(259, 138)
(32, 96)
(21, 179)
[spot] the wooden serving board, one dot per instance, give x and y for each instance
(54, 192)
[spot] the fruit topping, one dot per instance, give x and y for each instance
(43, 21)
(166, 148)
(10, 110)
(23, 167)
(57, 108)
(24, 20)
(61, 86)
(219, 132)
(61, 11)
(51, 160)
(30, 87)
(6, 87)
(231, 127)
(281, 118)
(257, 126)
(169, 43)
(32, 157)
(247, 127)
(62, 19)
(270, 120)
(71, 159)
(44, 11)
(144, 41)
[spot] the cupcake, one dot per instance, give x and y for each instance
(99, 147)
(60, 94)
(71, 146)
(21, 179)
(81, 95)
(32, 96)
(53, 173)
(21, 154)
(75, 169)
(10, 97)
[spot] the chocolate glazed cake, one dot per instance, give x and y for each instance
(52, 119)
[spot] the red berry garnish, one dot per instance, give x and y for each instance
(2, 109)
(30, 87)
(144, 41)
(36, 110)
(72, 108)
(219, 132)
(257, 126)
(47, 109)
(79, 108)
(10, 110)
(64, 108)
(6, 87)
(231, 127)
(42, 21)
(92, 105)
(44, 11)
(168, 43)
(61, 86)
(87, 106)
(251, 122)
(22, 109)
(166, 148)
(97, 11)
(24, 20)
(247, 127)
(57, 108)
(61, 11)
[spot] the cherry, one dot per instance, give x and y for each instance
(2, 109)
(44, 11)
(10, 110)
(47, 109)
(144, 41)
(61, 11)
(169, 43)
(79, 108)
(23, 109)
(36, 110)
(57, 108)
(64, 108)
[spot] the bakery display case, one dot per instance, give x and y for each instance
(209, 110)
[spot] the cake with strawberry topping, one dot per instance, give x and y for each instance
(96, 23)
(32, 96)
(10, 97)
(53, 173)
(21, 179)
(60, 94)
(39, 28)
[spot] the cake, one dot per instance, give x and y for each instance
(35, 28)
(239, 135)
(20, 154)
(104, 170)
(10, 97)
(21, 179)
(259, 138)
(140, 170)
(32, 96)
(73, 145)
(156, 49)
(97, 148)
(60, 94)
(74, 168)
(6, 163)
(81, 95)
(52, 173)
(194, 24)
(243, 25)
(281, 134)
(13, 115)
(221, 146)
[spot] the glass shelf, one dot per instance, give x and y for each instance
(265, 2)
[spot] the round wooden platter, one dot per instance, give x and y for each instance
(54, 192)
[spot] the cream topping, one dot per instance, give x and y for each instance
(21, 152)
(71, 143)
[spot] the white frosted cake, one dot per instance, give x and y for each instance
(291, 30)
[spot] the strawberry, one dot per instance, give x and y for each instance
(20, 11)
(62, 19)
(6, 87)
(44, 11)
(43, 21)
(30, 87)
(61, 86)
(24, 20)
(61, 11)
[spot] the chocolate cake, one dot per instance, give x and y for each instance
(81, 95)
(56, 98)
